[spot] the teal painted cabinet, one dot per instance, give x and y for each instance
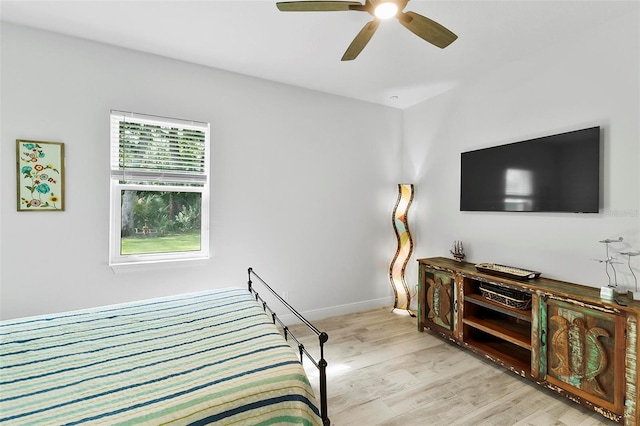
(560, 335)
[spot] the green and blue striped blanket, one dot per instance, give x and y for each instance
(200, 358)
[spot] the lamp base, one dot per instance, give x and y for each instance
(400, 311)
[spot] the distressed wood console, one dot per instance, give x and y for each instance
(568, 340)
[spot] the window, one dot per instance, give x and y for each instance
(159, 189)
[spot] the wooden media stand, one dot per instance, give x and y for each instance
(560, 335)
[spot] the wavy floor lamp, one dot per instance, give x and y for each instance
(405, 248)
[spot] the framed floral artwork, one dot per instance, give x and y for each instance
(40, 175)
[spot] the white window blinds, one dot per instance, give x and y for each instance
(158, 150)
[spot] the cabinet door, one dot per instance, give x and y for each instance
(584, 352)
(438, 300)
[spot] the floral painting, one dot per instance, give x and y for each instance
(40, 175)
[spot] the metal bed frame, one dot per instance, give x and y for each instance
(320, 364)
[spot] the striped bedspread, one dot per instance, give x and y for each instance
(200, 358)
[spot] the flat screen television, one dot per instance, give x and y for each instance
(558, 173)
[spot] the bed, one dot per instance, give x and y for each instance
(198, 358)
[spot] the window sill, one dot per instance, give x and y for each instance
(145, 266)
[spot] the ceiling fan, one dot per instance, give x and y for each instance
(421, 26)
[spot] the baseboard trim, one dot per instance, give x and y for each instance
(332, 311)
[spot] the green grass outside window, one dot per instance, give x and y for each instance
(160, 244)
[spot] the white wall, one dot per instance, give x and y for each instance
(302, 182)
(590, 80)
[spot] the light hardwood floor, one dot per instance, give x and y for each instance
(382, 371)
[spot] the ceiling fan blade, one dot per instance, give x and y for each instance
(318, 6)
(361, 40)
(427, 29)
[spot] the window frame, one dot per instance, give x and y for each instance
(118, 183)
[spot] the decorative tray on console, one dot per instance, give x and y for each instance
(506, 296)
(507, 271)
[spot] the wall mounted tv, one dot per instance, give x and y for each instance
(558, 173)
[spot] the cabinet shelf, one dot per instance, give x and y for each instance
(477, 299)
(512, 332)
(508, 355)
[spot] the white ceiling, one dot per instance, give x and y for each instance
(304, 48)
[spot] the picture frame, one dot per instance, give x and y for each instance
(40, 175)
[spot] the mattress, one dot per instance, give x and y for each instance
(211, 357)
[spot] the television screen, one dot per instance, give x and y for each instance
(559, 173)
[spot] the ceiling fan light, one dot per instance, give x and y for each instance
(386, 10)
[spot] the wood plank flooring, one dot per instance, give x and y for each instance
(382, 371)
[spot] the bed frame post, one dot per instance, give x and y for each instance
(322, 367)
